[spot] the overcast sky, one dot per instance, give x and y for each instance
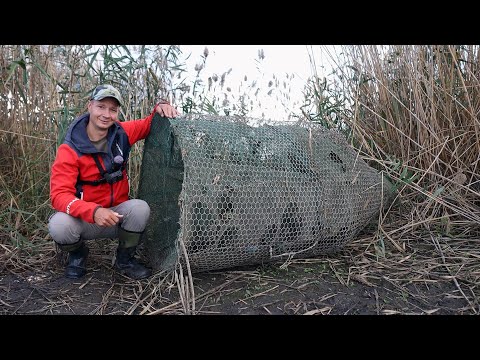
(244, 61)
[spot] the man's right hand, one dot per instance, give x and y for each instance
(106, 217)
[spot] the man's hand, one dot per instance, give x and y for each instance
(106, 217)
(166, 110)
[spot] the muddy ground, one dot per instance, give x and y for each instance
(310, 286)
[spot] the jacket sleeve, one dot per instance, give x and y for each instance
(138, 129)
(63, 178)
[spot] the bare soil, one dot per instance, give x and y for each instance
(310, 286)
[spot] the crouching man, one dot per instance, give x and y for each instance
(89, 186)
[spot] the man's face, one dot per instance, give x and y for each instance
(103, 113)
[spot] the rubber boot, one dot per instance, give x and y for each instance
(77, 259)
(125, 262)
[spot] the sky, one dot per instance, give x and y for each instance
(279, 60)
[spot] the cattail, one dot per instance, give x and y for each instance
(261, 54)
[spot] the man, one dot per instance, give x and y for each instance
(89, 186)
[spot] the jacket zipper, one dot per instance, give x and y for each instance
(111, 195)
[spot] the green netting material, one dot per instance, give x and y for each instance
(238, 194)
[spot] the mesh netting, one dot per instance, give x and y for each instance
(237, 194)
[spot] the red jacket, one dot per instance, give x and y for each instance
(74, 164)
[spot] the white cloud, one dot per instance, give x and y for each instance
(244, 61)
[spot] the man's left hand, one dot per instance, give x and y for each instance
(166, 110)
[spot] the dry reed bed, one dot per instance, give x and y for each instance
(413, 114)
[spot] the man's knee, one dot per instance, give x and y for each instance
(141, 207)
(63, 228)
(137, 216)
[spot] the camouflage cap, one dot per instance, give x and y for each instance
(103, 91)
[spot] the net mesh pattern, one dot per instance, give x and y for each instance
(237, 192)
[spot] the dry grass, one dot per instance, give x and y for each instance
(416, 118)
(412, 113)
